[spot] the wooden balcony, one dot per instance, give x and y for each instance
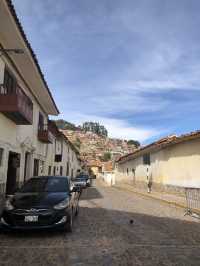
(44, 134)
(16, 105)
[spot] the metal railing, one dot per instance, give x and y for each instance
(193, 202)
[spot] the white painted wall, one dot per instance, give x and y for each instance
(20, 138)
(108, 178)
(177, 165)
(68, 156)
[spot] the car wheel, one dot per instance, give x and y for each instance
(69, 223)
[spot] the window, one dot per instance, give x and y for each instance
(45, 184)
(41, 167)
(10, 82)
(36, 167)
(146, 159)
(61, 170)
(1, 156)
(41, 122)
(49, 170)
(67, 171)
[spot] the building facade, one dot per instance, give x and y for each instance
(25, 103)
(173, 164)
(62, 157)
(30, 144)
(108, 174)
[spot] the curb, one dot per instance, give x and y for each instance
(152, 197)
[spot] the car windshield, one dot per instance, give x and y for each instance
(82, 177)
(45, 184)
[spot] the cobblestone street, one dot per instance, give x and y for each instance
(103, 235)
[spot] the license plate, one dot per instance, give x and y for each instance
(29, 219)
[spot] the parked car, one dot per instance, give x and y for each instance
(42, 202)
(82, 181)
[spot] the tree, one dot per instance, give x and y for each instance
(134, 142)
(106, 156)
(77, 143)
(62, 124)
(95, 128)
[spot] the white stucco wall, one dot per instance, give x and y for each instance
(108, 178)
(68, 157)
(177, 165)
(21, 138)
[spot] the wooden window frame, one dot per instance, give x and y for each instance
(147, 159)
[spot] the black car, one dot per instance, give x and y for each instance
(42, 202)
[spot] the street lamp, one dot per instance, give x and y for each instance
(15, 51)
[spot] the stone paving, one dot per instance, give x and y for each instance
(176, 199)
(103, 235)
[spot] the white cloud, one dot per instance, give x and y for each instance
(121, 129)
(128, 101)
(117, 128)
(124, 58)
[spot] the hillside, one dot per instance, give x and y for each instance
(92, 141)
(95, 147)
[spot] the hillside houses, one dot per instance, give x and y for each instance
(93, 146)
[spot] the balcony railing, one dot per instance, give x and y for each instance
(44, 134)
(16, 105)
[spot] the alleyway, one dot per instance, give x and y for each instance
(103, 235)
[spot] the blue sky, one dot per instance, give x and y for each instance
(133, 65)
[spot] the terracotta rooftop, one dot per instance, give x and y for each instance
(69, 142)
(108, 166)
(160, 144)
(94, 163)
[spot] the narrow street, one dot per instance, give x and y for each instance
(103, 235)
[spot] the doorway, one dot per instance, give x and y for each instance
(12, 173)
(67, 170)
(36, 167)
(27, 166)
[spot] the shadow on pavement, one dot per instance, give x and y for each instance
(90, 193)
(106, 237)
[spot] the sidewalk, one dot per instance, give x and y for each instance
(168, 198)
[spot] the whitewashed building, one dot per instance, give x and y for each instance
(62, 157)
(173, 163)
(30, 144)
(25, 103)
